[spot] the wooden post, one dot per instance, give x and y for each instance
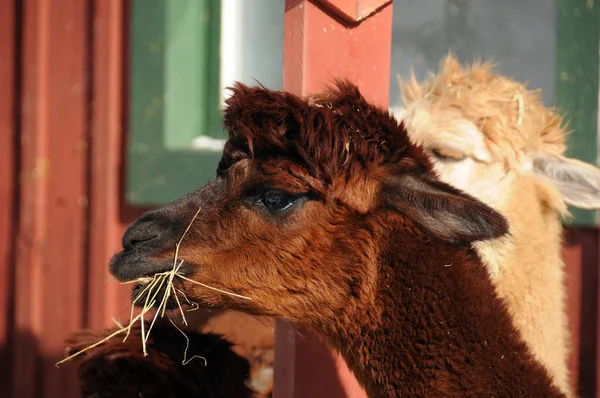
(323, 40)
(8, 160)
(109, 215)
(52, 228)
(582, 260)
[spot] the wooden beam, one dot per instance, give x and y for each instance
(52, 228)
(320, 45)
(582, 260)
(572, 256)
(109, 215)
(8, 188)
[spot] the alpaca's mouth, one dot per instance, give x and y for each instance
(155, 280)
(131, 265)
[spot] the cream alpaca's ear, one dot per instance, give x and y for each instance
(577, 181)
(442, 210)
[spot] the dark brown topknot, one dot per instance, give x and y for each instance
(328, 133)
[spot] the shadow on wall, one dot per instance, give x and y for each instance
(31, 374)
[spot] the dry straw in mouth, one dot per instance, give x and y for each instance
(152, 287)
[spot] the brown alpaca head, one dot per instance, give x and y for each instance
(288, 221)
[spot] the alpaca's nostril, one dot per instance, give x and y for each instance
(141, 240)
(137, 240)
(138, 234)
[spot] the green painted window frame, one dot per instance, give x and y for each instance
(577, 73)
(173, 97)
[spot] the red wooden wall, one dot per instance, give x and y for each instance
(62, 112)
(582, 259)
(8, 189)
(61, 216)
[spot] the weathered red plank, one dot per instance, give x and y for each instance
(320, 46)
(572, 255)
(8, 74)
(25, 358)
(582, 257)
(51, 239)
(107, 300)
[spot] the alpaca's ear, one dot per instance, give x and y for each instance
(577, 181)
(442, 210)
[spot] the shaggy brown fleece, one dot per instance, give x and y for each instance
(118, 369)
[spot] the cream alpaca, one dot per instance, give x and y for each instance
(490, 136)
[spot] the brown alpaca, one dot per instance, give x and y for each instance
(325, 214)
(491, 137)
(119, 369)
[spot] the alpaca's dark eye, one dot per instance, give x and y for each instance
(277, 201)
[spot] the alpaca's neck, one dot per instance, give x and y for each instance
(531, 277)
(438, 329)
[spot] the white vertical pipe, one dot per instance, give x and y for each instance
(232, 20)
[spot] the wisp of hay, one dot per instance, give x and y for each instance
(153, 285)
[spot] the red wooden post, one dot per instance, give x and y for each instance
(323, 40)
(8, 73)
(582, 259)
(572, 256)
(596, 326)
(52, 228)
(108, 215)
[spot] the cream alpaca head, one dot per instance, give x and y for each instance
(485, 133)
(471, 119)
(491, 137)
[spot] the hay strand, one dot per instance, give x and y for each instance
(104, 340)
(185, 361)
(214, 288)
